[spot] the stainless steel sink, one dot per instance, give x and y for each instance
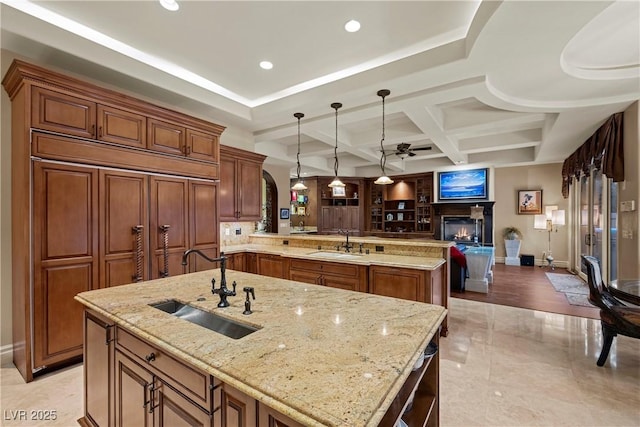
(338, 255)
(205, 319)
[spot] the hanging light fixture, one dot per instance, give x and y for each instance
(384, 179)
(299, 186)
(336, 181)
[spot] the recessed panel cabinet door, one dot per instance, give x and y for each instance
(122, 127)
(168, 225)
(124, 227)
(133, 392)
(165, 137)
(203, 223)
(249, 203)
(65, 203)
(59, 112)
(228, 186)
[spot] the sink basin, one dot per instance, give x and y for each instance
(205, 319)
(339, 255)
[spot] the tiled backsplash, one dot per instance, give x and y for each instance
(229, 236)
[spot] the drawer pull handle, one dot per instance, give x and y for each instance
(150, 357)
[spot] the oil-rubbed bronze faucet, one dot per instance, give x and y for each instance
(347, 246)
(223, 291)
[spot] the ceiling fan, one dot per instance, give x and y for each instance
(403, 150)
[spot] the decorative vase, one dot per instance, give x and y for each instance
(513, 252)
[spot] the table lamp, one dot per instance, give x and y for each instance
(552, 217)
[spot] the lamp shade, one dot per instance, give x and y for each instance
(557, 217)
(540, 222)
(476, 212)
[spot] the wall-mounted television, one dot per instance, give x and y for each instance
(463, 184)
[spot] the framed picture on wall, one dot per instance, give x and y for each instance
(284, 213)
(529, 202)
(338, 191)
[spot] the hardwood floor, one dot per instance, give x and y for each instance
(527, 287)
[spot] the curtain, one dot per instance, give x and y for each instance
(603, 150)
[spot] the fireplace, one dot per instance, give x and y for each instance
(461, 229)
(452, 221)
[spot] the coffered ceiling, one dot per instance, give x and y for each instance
(484, 84)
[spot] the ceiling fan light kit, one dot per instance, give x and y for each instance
(384, 179)
(299, 185)
(336, 181)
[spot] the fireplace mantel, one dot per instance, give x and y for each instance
(460, 209)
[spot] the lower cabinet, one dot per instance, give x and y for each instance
(269, 417)
(236, 261)
(251, 262)
(238, 409)
(398, 283)
(336, 275)
(273, 266)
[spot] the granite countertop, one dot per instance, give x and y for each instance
(330, 254)
(322, 356)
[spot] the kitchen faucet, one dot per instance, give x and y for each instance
(347, 246)
(223, 291)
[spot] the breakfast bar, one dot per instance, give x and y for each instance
(315, 355)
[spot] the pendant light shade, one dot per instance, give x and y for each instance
(299, 185)
(336, 181)
(384, 179)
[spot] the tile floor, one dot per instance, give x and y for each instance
(500, 366)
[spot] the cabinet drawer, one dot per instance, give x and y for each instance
(326, 267)
(192, 383)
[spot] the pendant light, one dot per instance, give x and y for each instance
(336, 181)
(384, 179)
(299, 186)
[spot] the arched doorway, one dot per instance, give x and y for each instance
(269, 203)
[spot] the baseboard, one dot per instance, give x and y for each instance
(6, 354)
(538, 262)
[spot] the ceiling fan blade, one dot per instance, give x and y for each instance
(403, 146)
(428, 147)
(411, 153)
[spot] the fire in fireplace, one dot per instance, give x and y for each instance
(461, 229)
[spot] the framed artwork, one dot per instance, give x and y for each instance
(284, 213)
(338, 191)
(529, 202)
(301, 210)
(401, 205)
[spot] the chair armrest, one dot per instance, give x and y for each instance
(633, 299)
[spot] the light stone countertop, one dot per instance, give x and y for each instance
(323, 356)
(330, 254)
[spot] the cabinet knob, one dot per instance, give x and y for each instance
(150, 357)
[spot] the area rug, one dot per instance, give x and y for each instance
(575, 290)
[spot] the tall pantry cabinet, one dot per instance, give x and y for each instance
(106, 190)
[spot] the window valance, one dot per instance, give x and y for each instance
(603, 150)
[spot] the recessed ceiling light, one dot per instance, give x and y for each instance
(352, 26)
(171, 5)
(266, 65)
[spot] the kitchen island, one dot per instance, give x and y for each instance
(319, 356)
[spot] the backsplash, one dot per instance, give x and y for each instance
(229, 236)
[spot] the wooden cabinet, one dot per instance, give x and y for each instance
(66, 262)
(236, 261)
(251, 262)
(238, 409)
(98, 370)
(336, 275)
(240, 185)
(398, 283)
(338, 210)
(90, 191)
(402, 209)
(267, 417)
(272, 266)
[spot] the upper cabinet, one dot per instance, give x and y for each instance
(240, 185)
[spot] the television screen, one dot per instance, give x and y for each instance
(466, 184)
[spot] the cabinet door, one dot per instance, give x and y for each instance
(327, 214)
(59, 112)
(401, 283)
(98, 365)
(238, 409)
(352, 220)
(251, 263)
(65, 230)
(203, 223)
(228, 209)
(340, 282)
(168, 225)
(267, 417)
(171, 409)
(250, 190)
(124, 228)
(122, 127)
(236, 262)
(202, 146)
(305, 277)
(133, 388)
(165, 137)
(272, 266)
